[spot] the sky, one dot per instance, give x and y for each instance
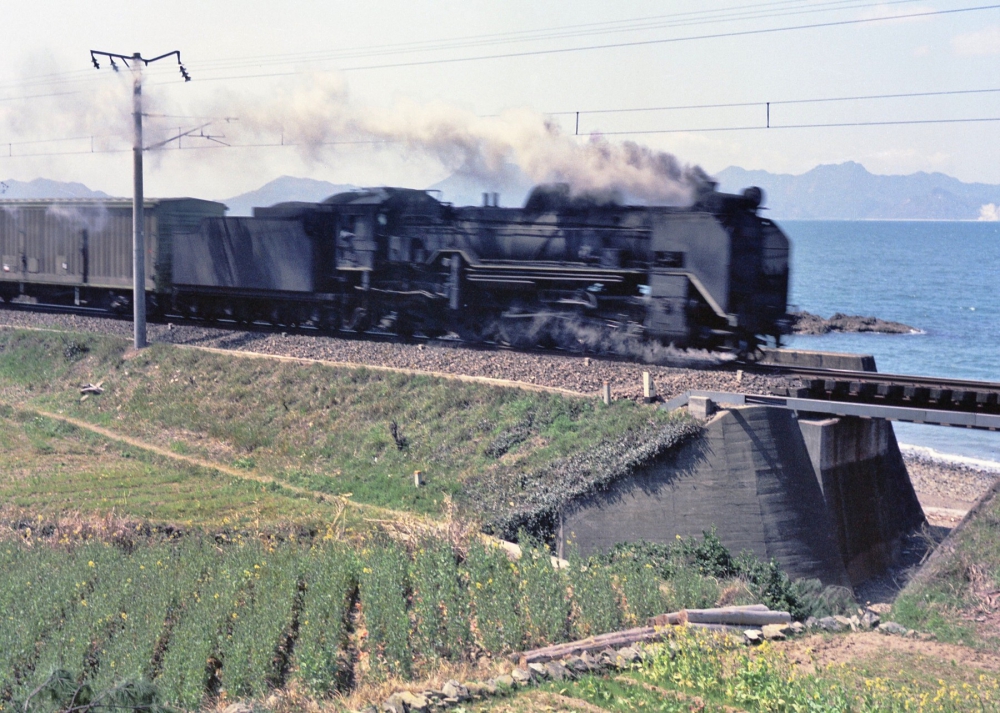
(405, 93)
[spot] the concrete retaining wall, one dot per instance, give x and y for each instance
(827, 499)
(822, 360)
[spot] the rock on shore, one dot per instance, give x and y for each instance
(807, 323)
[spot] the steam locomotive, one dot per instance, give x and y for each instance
(564, 269)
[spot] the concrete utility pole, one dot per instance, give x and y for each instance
(138, 218)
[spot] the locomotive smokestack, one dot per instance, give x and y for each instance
(486, 200)
(496, 200)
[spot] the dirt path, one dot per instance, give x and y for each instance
(374, 510)
(820, 651)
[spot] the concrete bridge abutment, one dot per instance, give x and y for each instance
(828, 498)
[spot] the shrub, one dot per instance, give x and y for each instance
(440, 602)
(383, 587)
(493, 593)
(331, 584)
(544, 596)
(594, 600)
(638, 587)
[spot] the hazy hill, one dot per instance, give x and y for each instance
(45, 188)
(285, 188)
(462, 188)
(848, 191)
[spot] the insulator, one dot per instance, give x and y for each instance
(94, 60)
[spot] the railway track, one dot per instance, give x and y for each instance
(866, 387)
(370, 335)
(835, 385)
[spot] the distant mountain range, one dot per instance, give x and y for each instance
(285, 188)
(845, 191)
(44, 188)
(511, 186)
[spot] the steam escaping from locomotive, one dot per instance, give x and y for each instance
(319, 115)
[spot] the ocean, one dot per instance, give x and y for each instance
(942, 278)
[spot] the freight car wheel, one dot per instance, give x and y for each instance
(360, 320)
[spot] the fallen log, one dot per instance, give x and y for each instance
(738, 616)
(613, 640)
(726, 619)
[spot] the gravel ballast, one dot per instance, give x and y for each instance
(565, 371)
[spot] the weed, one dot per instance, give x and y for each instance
(440, 608)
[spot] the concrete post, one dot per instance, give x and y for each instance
(701, 407)
(648, 388)
(606, 393)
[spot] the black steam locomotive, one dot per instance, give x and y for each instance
(564, 269)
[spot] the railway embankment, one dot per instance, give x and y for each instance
(397, 440)
(946, 490)
(574, 372)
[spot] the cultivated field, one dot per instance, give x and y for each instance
(243, 529)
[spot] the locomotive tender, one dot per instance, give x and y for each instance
(713, 276)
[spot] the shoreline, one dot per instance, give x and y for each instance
(932, 455)
(947, 485)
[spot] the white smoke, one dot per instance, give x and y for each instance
(319, 113)
(989, 212)
(93, 217)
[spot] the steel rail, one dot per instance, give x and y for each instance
(873, 377)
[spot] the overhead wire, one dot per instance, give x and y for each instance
(662, 21)
(634, 132)
(616, 45)
(691, 18)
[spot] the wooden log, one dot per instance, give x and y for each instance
(682, 617)
(737, 616)
(613, 640)
(729, 619)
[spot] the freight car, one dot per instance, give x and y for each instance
(563, 269)
(79, 251)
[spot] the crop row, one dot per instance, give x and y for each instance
(198, 618)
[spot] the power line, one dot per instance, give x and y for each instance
(634, 43)
(637, 25)
(636, 132)
(818, 125)
(494, 39)
(760, 10)
(759, 103)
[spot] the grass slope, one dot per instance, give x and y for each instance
(52, 468)
(325, 429)
(957, 595)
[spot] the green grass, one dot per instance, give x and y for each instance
(951, 593)
(700, 672)
(52, 469)
(324, 429)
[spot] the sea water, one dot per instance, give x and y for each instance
(942, 278)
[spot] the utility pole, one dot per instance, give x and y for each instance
(138, 217)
